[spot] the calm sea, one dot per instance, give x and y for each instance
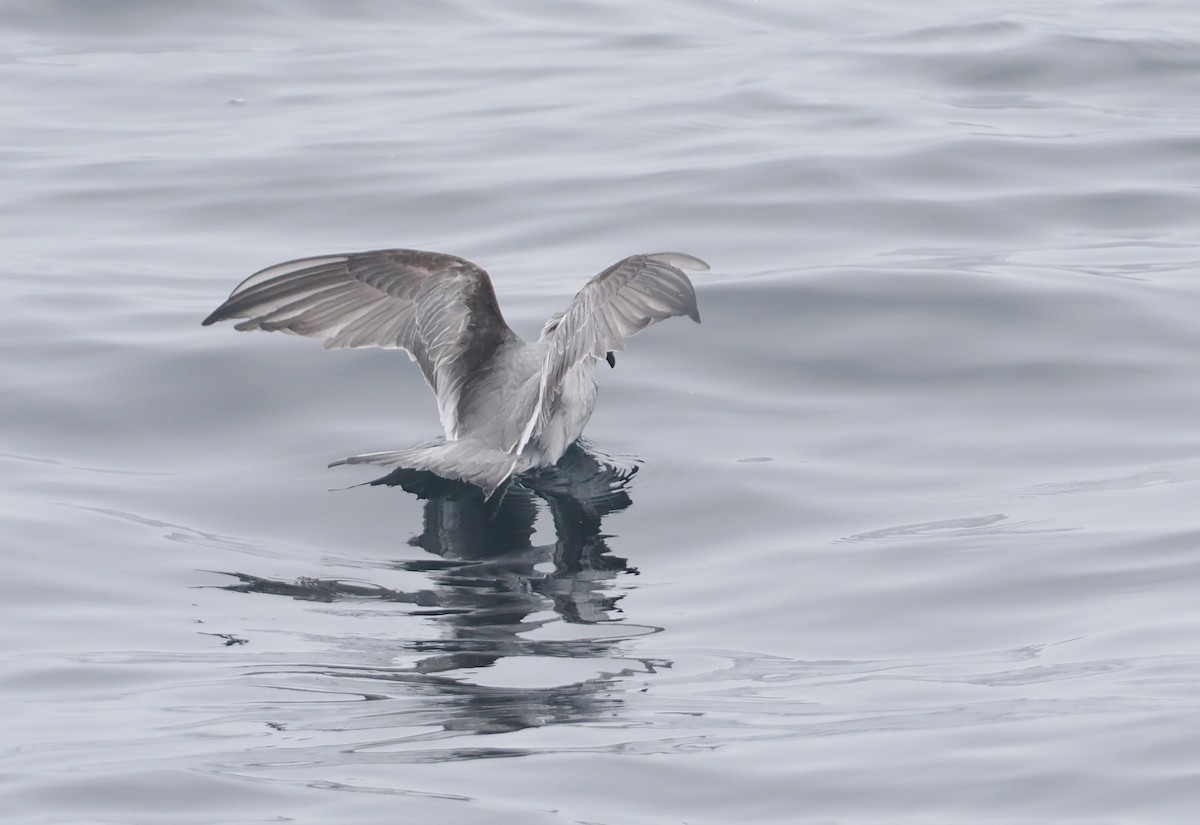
(907, 531)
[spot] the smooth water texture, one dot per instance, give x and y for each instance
(905, 531)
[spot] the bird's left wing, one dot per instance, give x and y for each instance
(439, 308)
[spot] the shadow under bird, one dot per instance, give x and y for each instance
(506, 405)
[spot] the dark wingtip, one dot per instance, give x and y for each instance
(212, 318)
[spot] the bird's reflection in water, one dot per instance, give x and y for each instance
(490, 578)
(490, 584)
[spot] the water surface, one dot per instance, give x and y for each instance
(905, 531)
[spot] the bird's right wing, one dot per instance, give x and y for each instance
(439, 308)
(621, 301)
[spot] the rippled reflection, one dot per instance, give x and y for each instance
(489, 577)
(490, 587)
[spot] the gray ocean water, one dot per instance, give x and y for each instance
(914, 531)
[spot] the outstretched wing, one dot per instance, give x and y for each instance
(621, 301)
(439, 308)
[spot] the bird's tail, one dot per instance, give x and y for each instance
(463, 460)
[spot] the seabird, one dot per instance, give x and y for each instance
(506, 406)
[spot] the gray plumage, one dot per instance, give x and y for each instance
(506, 406)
